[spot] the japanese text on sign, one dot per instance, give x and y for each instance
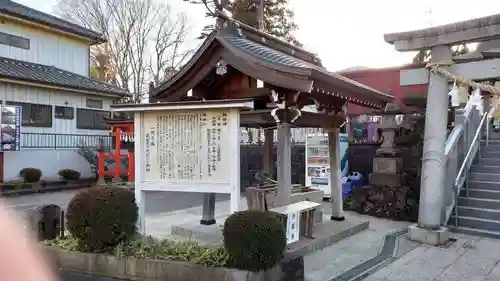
(186, 146)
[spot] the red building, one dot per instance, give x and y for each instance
(385, 80)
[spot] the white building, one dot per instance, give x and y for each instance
(44, 68)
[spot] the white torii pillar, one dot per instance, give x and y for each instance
(432, 184)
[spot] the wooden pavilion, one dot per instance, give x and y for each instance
(238, 61)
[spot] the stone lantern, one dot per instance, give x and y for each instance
(386, 195)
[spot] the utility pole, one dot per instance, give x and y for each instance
(260, 15)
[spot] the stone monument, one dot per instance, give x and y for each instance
(386, 195)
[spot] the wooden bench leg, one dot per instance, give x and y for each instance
(309, 220)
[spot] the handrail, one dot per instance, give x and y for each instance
(451, 143)
(471, 148)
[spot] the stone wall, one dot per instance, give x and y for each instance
(88, 266)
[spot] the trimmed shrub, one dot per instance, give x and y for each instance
(102, 217)
(254, 240)
(30, 174)
(69, 174)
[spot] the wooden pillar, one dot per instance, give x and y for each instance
(100, 166)
(131, 168)
(268, 163)
(284, 157)
(118, 155)
(335, 175)
(140, 194)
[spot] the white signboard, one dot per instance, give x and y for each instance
(317, 161)
(188, 147)
(293, 227)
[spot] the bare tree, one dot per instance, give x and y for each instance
(169, 54)
(136, 30)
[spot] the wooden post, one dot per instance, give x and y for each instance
(335, 176)
(131, 167)
(118, 155)
(267, 159)
(284, 151)
(100, 167)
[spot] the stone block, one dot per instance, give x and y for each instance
(45, 221)
(386, 179)
(431, 237)
(388, 165)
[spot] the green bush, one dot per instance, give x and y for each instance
(30, 174)
(102, 217)
(69, 175)
(254, 240)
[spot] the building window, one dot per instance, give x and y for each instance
(34, 115)
(14, 41)
(64, 112)
(90, 119)
(92, 103)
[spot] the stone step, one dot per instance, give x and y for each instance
(485, 169)
(478, 223)
(491, 148)
(487, 153)
(473, 231)
(484, 177)
(487, 161)
(483, 185)
(481, 193)
(489, 214)
(479, 203)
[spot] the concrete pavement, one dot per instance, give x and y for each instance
(157, 202)
(368, 256)
(470, 258)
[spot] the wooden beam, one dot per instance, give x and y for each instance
(476, 70)
(263, 118)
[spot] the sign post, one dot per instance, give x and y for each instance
(187, 147)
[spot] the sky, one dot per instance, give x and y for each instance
(350, 33)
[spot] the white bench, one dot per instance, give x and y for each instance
(298, 219)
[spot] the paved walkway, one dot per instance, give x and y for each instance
(470, 258)
(380, 253)
(343, 259)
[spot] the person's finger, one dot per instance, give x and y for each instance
(20, 257)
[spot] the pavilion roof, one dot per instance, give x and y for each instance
(264, 57)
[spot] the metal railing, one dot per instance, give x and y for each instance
(63, 141)
(461, 148)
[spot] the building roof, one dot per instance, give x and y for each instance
(17, 10)
(271, 60)
(51, 75)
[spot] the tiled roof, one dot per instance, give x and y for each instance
(267, 54)
(17, 10)
(50, 75)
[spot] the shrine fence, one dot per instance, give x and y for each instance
(71, 141)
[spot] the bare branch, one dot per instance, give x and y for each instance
(144, 40)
